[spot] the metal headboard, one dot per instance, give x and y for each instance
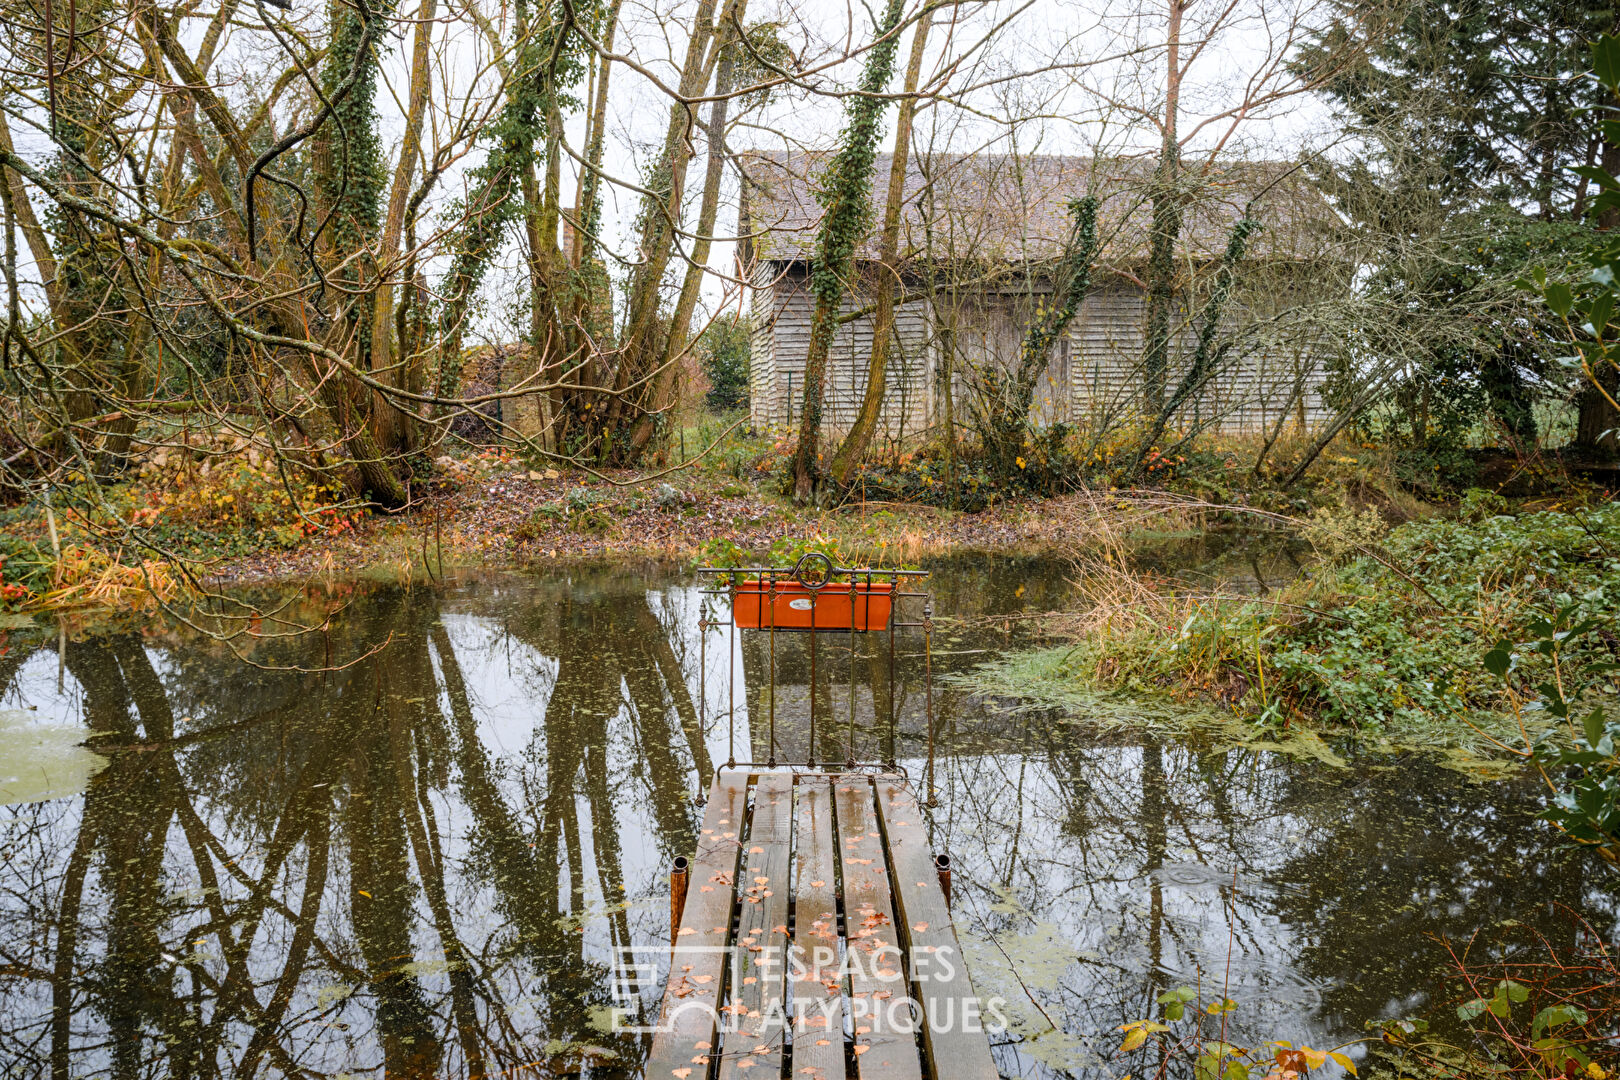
(807, 585)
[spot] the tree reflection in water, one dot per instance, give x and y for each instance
(355, 870)
(422, 864)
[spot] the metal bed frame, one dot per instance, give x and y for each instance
(816, 573)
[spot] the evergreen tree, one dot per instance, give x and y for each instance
(1469, 115)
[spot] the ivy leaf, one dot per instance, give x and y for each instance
(1556, 1016)
(1470, 1010)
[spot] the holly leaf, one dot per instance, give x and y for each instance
(1606, 60)
(1499, 660)
(1559, 297)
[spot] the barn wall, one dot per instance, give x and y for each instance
(761, 349)
(989, 333)
(1093, 378)
(782, 312)
(1255, 382)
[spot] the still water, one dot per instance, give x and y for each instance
(412, 843)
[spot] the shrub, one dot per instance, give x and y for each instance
(1386, 644)
(1336, 533)
(722, 351)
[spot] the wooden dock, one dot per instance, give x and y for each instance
(816, 942)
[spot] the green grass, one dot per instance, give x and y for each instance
(1387, 648)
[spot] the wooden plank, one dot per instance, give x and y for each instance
(682, 1047)
(953, 1031)
(755, 1024)
(885, 1039)
(818, 993)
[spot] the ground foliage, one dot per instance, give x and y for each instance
(1387, 643)
(1534, 1007)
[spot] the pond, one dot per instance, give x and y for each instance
(415, 841)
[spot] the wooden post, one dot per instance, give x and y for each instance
(678, 874)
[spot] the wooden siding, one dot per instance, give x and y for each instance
(1254, 381)
(781, 340)
(1093, 378)
(762, 391)
(989, 333)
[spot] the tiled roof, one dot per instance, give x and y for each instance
(1002, 208)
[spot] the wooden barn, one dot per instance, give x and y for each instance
(978, 235)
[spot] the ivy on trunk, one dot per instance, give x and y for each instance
(847, 200)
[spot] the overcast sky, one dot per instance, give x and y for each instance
(1049, 76)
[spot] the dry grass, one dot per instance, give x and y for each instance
(86, 577)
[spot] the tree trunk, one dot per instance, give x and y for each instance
(588, 205)
(1164, 231)
(1595, 431)
(859, 438)
(1004, 419)
(641, 348)
(394, 427)
(843, 227)
(680, 326)
(1205, 356)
